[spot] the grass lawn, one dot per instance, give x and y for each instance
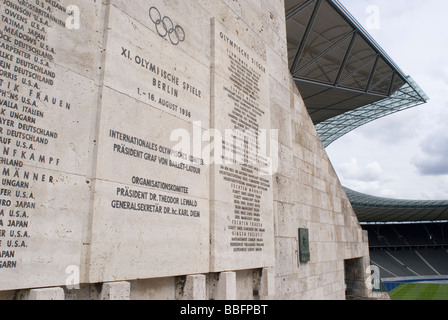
(420, 291)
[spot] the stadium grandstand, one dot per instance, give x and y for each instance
(408, 239)
(347, 80)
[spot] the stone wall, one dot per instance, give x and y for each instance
(94, 198)
(308, 195)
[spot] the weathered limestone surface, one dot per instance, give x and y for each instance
(48, 97)
(116, 167)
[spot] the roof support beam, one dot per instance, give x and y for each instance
(324, 85)
(358, 68)
(306, 36)
(299, 8)
(391, 86)
(372, 74)
(387, 76)
(347, 55)
(323, 53)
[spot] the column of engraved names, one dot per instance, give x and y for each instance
(242, 147)
(27, 77)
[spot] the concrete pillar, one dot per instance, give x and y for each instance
(226, 287)
(116, 291)
(45, 294)
(195, 288)
(267, 285)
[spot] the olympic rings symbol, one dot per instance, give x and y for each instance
(166, 28)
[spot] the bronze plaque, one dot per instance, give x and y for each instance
(304, 245)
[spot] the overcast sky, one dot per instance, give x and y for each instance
(403, 156)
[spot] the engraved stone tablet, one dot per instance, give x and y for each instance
(151, 207)
(47, 94)
(242, 217)
(134, 144)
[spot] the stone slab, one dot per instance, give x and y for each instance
(151, 208)
(195, 288)
(56, 294)
(225, 287)
(115, 291)
(242, 210)
(47, 95)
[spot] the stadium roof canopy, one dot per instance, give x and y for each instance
(347, 80)
(376, 209)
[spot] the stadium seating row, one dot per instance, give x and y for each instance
(409, 250)
(390, 235)
(410, 263)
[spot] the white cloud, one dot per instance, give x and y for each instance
(368, 178)
(433, 160)
(354, 171)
